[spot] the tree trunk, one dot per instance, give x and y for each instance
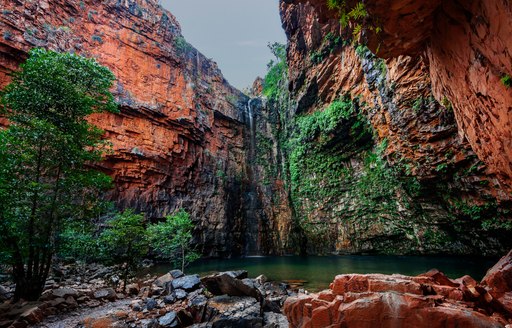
(28, 289)
(125, 277)
(182, 258)
(127, 268)
(32, 218)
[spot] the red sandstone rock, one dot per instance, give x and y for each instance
(257, 86)
(440, 278)
(498, 282)
(32, 316)
(375, 300)
(102, 322)
(468, 47)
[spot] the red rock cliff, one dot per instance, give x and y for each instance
(178, 141)
(469, 49)
(436, 98)
(465, 47)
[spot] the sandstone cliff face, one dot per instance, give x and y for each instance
(427, 139)
(468, 45)
(433, 108)
(465, 50)
(178, 141)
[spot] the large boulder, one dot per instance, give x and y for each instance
(163, 280)
(498, 282)
(227, 284)
(235, 312)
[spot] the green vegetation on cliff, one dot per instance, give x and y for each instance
(277, 71)
(318, 166)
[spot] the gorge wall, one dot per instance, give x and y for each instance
(178, 141)
(417, 159)
(408, 152)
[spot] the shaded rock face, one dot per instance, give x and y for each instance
(268, 218)
(421, 126)
(468, 45)
(376, 300)
(178, 141)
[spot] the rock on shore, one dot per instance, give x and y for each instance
(428, 300)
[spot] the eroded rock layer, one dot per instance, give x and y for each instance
(178, 141)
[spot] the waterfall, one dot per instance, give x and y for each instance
(252, 129)
(251, 204)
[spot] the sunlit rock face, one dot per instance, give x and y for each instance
(437, 101)
(178, 140)
(377, 300)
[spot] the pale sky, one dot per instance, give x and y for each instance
(234, 33)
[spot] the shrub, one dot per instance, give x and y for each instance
(181, 45)
(506, 80)
(276, 71)
(171, 239)
(124, 241)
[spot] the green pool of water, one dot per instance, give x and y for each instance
(320, 271)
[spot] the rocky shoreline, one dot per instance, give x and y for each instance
(231, 299)
(227, 299)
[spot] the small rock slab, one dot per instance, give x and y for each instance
(187, 283)
(151, 304)
(275, 320)
(64, 292)
(169, 320)
(180, 294)
(105, 293)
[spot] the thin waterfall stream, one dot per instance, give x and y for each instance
(252, 222)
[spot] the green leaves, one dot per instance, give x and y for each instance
(277, 71)
(124, 239)
(60, 88)
(46, 180)
(318, 168)
(171, 239)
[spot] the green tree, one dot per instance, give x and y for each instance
(124, 241)
(172, 238)
(277, 71)
(46, 178)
